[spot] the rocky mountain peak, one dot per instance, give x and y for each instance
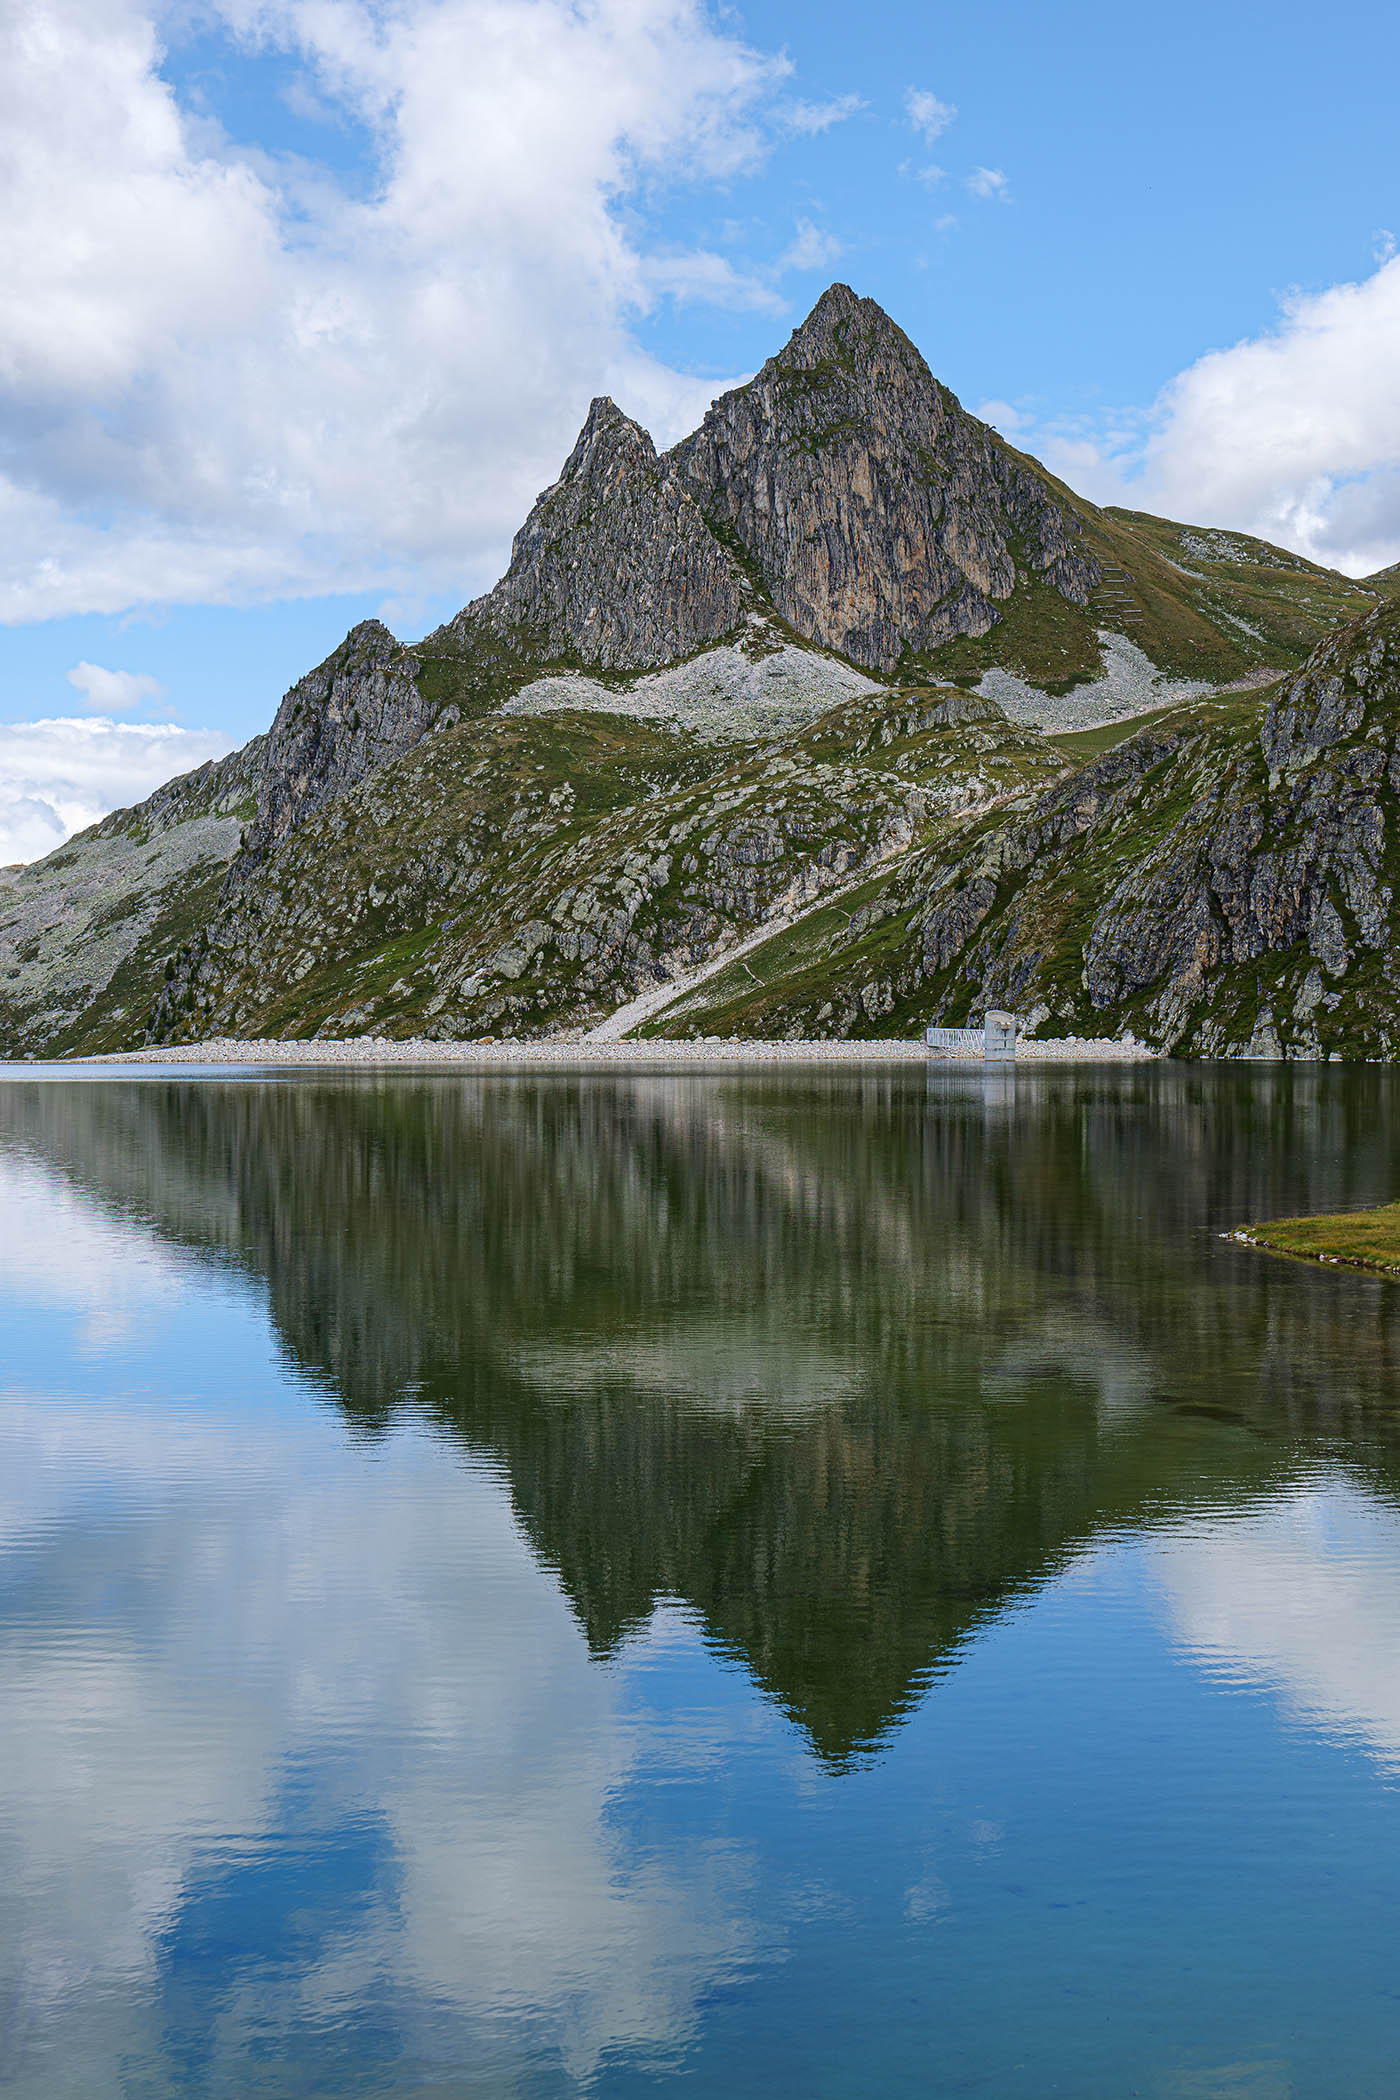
(839, 315)
(354, 713)
(609, 442)
(884, 519)
(615, 567)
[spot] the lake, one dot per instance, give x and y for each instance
(825, 1581)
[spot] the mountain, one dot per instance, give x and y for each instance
(1222, 883)
(842, 635)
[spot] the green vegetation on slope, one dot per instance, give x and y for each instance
(521, 874)
(1220, 882)
(1206, 605)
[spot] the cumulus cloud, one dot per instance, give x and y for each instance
(703, 275)
(112, 692)
(1293, 434)
(1002, 416)
(231, 375)
(988, 182)
(812, 248)
(58, 776)
(927, 114)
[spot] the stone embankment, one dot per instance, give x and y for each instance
(556, 1050)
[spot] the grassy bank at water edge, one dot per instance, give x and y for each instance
(1363, 1239)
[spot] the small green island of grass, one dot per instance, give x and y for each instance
(1360, 1239)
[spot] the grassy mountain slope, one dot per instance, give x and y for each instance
(522, 873)
(88, 933)
(1224, 880)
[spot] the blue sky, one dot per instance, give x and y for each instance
(308, 301)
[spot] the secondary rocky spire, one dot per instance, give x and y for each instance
(615, 565)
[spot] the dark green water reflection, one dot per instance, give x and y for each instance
(827, 1582)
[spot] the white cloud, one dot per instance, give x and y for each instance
(229, 376)
(927, 114)
(931, 174)
(988, 182)
(58, 776)
(809, 118)
(811, 249)
(702, 275)
(1293, 434)
(61, 1253)
(112, 692)
(1002, 416)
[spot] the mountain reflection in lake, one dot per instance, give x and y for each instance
(812, 1582)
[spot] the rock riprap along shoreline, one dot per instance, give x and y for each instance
(774, 736)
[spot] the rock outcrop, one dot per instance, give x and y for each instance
(1223, 883)
(354, 713)
(615, 567)
(882, 518)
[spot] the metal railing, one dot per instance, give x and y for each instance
(995, 1039)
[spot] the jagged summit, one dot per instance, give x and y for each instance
(847, 490)
(884, 520)
(837, 304)
(615, 565)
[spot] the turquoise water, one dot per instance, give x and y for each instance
(823, 1583)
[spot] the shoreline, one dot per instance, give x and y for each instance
(556, 1050)
(1368, 1240)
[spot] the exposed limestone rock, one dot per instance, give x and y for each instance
(1131, 685)
(354, 713)
(882, 517)
(758, 686)
(615, 567)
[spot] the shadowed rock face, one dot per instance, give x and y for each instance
(883, 518)
(615, 566)
(344, 720)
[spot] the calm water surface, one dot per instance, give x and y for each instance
(813, 1583)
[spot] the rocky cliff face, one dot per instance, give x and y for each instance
(355, 712)
(615, 567)
(1222, 883)
(882, 518)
